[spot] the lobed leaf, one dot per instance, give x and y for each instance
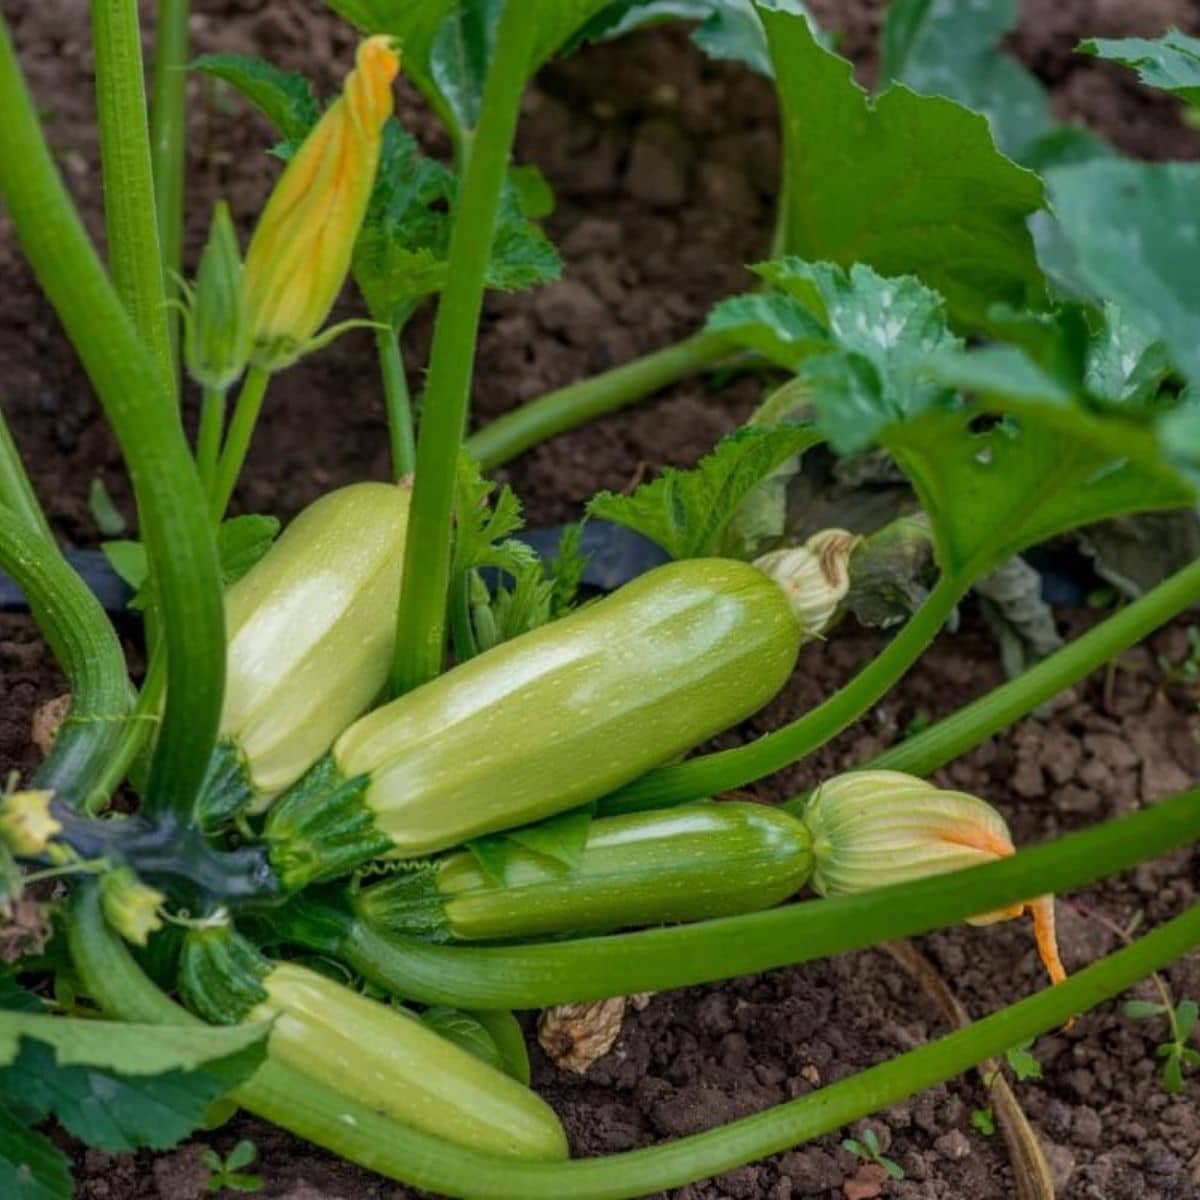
(285, 98)
(1170, 62)
(686, 512)
(31, 1167)
(905, 183)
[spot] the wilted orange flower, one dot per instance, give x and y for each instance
(301, 250)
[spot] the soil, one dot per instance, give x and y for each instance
(664, 189)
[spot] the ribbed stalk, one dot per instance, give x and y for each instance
(84, 645)
(16, 492)
(174, 522)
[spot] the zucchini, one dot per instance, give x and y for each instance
(682, 864)
(310, 635)
(382, 1057)
(545, 722)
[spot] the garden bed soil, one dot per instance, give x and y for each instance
(664, 188)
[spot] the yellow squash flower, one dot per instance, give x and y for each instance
(874, 828)
(26, 826)
(301, 250)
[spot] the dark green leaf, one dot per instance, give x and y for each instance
(1126, 366)
(686, 512)
(120, 1112)
(31, 1168)
(908, 184)
(1170, 62)
(484, 519)
(534, 195)
(284, 97)
(131, 563)
(458, 57)
(1135, 232)
(1022, 462)
(1172, 1075)
(776, 326)
(466, 1032)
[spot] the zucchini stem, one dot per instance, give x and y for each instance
(401, 435)
(237, 441)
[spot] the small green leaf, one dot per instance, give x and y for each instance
(130, 561)
(491, 853)
(1172, 1073)
(107, 516)
(284, 97)
(908, 184)
(1023, 1063)
(561, 839)
(776, 326)
(1142, 1010)
(686, 512)
(532, 191)
(1126, 366)
(31, 1167)
(241, 542)
(242, 1155)
(1186, 1012)
(509, 1038)
(1170, 62)
(984, 1120)
(465, 1031)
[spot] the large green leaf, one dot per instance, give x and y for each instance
(1024, 460)
(1134, 230)
(31, 1167)
(909, 184)
(954, 50)
(284, 97)
(127, 1048)
(1170, 62)
(858, 341)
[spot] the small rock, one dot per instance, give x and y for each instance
(866, 1183)
(812, 1172)
(954, 1145)
(1061, 1162)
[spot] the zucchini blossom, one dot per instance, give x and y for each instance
(815, 576)
(301, 251)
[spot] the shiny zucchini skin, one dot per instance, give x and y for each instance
(681, 864)
(562, 715)
(399, 1066)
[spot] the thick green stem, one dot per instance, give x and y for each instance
(85, 646)
(713, 773)
(535, 975)
(421, 619)
(396, 398)
(570, 406)
(168, 144)
(16, 492)
(174, 522)
(237, 442)
(208, 437)
(338, 1123)
(134, 259)
(976, 722)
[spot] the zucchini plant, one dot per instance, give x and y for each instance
(387, 779)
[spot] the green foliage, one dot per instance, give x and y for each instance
(868, 1150)
(687, 512)
(1135, 234)
(1170, 62)
(115, 1086)
(1175, 1052)
(105, 513)
(984, 1120)
(465, 1031)
(241, 542)
(727, 30)
(1022, 1062)
(285, 98)
(907, 184)
(229, 1173)
(560, 840)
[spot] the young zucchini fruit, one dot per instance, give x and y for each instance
(681, 864)
(386, 1059)
(310, 631)
(544, 722)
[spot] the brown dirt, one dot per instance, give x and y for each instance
(664, 186)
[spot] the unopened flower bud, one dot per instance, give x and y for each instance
(130, 906)
(815, 576)
(217, 334)
(301, 250)
(874, 828)
(26, 825)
